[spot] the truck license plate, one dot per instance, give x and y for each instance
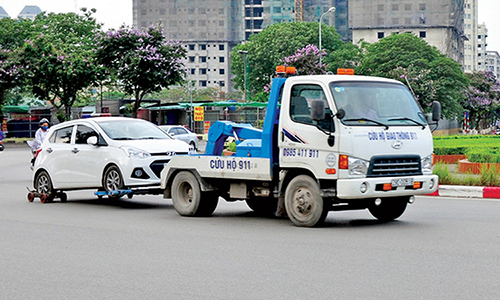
(402, 182)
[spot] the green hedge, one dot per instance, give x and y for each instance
(488, 155)
(477, 148)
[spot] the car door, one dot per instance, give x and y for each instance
(56, 158)
(182, 134)
(86, 160)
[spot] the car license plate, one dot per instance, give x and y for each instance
(402, 182)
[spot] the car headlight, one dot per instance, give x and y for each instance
(427, 164)
(134, 152)
(358, 166)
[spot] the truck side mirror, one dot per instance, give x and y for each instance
(340, 114)
(317, 110)
(436, 111)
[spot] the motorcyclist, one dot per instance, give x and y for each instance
(40, 135)
(1, 138)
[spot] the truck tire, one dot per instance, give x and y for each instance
(264, 206)
(390, 208)
(303, 202)
(189, 200)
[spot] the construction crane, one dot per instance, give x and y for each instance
(299, 9)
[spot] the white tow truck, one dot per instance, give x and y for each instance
(328, 143)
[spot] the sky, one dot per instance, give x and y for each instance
(114, 13)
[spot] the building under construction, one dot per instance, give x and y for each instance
(439, 22)
(211, 28)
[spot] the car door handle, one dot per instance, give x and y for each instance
(75, 150)
(49, 150)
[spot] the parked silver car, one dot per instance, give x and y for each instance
(179, 132)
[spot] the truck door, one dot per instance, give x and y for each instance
(305, 142)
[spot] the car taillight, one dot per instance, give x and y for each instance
(38, 151)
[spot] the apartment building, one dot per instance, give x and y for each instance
(471, 33)
(3, 13)
(29, 12)
(439, 22)
(211, 28)
(482, 34)
(492, 62)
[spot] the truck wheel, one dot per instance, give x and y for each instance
(43, 185)
(303, 202)
(112, 181)
(389, 209)
(265, 206)
(188, 199)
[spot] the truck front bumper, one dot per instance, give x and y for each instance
(361, 188)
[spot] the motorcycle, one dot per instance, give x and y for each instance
(1, 141)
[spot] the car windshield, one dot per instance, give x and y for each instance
(132, 130)
(377, 104)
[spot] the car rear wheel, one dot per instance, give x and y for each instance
(43, 186)
(112, 182)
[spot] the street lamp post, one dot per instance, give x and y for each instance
(331, 9)
(244, 53)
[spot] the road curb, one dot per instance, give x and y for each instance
(467, 191)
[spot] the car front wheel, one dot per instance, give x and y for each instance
(112, 182)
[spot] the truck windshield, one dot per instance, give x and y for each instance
(386, 104)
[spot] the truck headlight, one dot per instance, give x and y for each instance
(358, 166)
(427, 164)
(135, 153)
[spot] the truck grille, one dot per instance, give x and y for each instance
(407, 165)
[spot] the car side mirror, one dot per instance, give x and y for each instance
(436, 111)
(92, 141)
(317, 110)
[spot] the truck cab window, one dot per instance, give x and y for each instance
(300, 108)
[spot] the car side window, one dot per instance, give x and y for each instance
(181, 131)
(63, 135)
(83, 133)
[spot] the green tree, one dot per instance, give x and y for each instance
(430, 74)
(12, 36)
(142, 61)
(60, 59)
(13, 33)
(268, 48)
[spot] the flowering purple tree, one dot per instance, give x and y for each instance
(9, 76)
(142, 61)
(306, 60)
(419, 82)
(482, 97)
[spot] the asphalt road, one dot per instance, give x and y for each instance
(441, 248)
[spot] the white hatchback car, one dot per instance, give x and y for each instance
(107, 153)
(178, 132)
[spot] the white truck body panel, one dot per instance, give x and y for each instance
(227, 167)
